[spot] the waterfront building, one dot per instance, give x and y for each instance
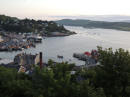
(27, 59)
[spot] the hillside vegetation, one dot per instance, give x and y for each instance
(13, 24)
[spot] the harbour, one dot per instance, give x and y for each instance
(17, 42)
(84, 40)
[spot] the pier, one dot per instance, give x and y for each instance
(90, 58)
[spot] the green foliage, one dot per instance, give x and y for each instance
(110, 79)
(47, 82)
(53, 27)
(114, 74)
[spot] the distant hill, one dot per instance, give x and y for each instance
(126, 21)
(125, 26)
(108, 18)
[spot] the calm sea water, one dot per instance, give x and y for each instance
(84, 40)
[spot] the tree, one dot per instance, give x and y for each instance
(114, 73)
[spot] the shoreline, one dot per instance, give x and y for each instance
(18, 42)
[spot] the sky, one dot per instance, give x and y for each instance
(40, 8)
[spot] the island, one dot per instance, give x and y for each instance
(124, 26)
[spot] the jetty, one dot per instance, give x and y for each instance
(90, 58)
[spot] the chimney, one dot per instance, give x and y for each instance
(40, 59)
